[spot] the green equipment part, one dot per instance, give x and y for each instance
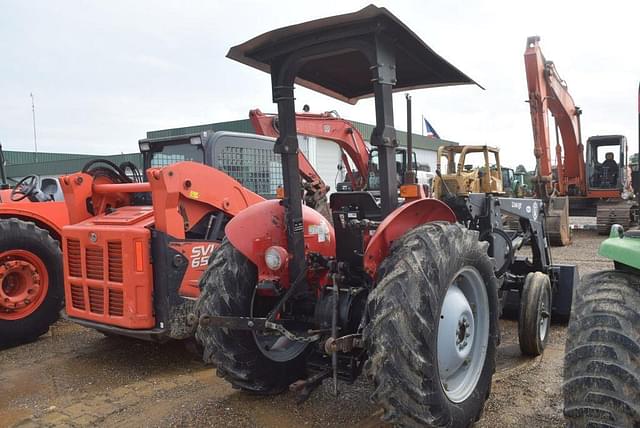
(622, 247)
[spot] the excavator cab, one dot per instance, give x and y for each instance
(374, 169)
(606, 162)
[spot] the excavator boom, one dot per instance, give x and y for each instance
(327, 126)
(549, 93)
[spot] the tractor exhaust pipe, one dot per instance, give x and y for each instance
(409, 173)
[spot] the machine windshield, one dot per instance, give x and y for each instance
(168, 154)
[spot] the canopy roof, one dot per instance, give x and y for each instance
(345, 72)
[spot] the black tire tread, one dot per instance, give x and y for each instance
(602, 354)
(15, 233)
(228, 279)
(528, 323)
(403, 315)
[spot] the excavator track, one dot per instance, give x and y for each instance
(624, 213)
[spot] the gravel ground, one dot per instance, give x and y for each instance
(78, 377)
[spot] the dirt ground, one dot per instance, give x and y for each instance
(78, 377)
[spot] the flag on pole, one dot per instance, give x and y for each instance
(431, 132)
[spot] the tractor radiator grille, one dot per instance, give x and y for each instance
(94, 261)
(108, 271)
(74, 258)
(104, 294)
(77, 297)
(114, 253)
(116, 303)
(96, 300)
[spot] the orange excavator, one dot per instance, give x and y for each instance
(598, 186)
(330, 127)
(360, 162)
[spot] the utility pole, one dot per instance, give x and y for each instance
(35, 140)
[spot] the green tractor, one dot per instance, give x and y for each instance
(602, 355)
(516, 184)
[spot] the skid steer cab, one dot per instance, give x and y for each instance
(135, 251)
(409, 293)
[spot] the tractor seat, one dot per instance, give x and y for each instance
(51, 188)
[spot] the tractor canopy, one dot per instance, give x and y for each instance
(341, 65)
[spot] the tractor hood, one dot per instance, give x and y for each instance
(344, 73)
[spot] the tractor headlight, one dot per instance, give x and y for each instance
(275, 257)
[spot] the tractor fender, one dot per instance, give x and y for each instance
(400, 221)
(262, 225)
(52, 216)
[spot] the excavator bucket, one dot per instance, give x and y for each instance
(557, 215)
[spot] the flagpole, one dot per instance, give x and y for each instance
(422, 121)
(33, 113)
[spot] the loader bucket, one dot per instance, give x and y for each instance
(557, 215)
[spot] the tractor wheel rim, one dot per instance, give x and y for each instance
(273, 345)
(463, 334)
(24, 283)
(543, 328)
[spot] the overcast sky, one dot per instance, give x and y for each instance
(105, 73)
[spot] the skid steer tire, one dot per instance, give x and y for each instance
(226, 289)
(31, 281)
(535, 314)
(403, 320)
(601, 365)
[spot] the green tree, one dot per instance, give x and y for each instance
(520, 169)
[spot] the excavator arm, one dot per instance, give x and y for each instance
(330, 127)
(548, 92)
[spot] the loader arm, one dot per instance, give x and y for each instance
(182, 195)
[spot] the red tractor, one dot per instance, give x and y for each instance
(409, 293)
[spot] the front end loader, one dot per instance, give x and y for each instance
(134, 250)
(409, 294)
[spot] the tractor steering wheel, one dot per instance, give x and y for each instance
(25, 188)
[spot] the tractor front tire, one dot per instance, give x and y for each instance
(31, 281)
(534, 320)
(431, 273)
(227, 289)
(601, 365)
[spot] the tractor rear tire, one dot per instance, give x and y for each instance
(601, 365)
(227, 289)
(402, 331)
(535, 314)
(31, 281)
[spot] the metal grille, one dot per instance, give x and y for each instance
(259, 170)
(74, 258)
(94, 263)
(96, 300)
(77, 297)
(114, 256)
(116, 302)
(164, 159)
